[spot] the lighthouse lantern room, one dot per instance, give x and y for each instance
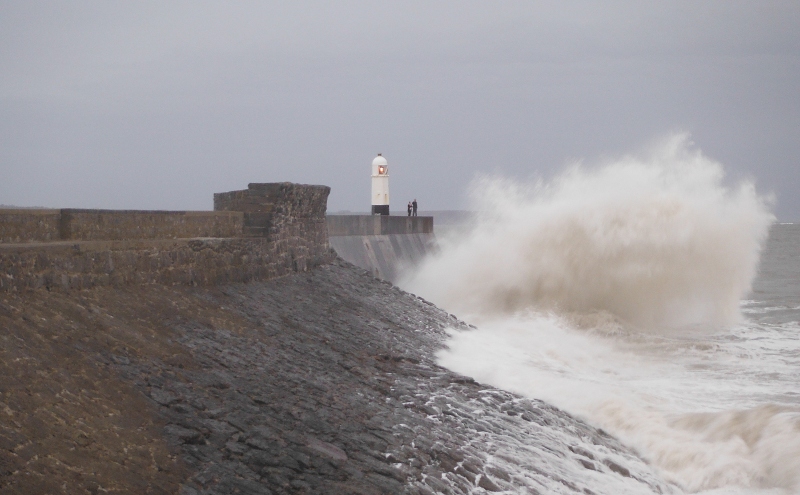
(380, 186)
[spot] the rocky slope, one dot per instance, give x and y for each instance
(321, 382)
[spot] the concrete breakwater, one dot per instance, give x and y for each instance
(383, 245)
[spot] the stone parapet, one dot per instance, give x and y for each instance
(273, 209)
(346, 225)
(284, 213)
(29, 225)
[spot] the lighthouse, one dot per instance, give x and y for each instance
(380, 186)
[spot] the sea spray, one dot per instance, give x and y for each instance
(656, 240)
(614, 292)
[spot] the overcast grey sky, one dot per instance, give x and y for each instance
(157, 105)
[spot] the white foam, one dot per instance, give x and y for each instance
(688, 406)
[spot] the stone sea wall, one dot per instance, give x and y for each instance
(274, 210)
(159, 377)
(23, 225)
(182, 261)
(290, 216)
(278, 229)
(323, 382)
(110, 225)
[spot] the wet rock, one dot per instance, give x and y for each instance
(617, 468)
(162, 396)
(327, 449)
(320, 382)
(184, 435)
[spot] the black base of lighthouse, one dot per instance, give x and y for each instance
(380, 209)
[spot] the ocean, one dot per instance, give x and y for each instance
(650, 296)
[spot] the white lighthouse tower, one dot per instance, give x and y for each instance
(380, 186)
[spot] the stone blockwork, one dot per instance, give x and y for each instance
(290, 215)
(264, 232)
(324, 382)
(23, 226)
(117, 225)
(272, 208)
(29, 225)
(184, 261)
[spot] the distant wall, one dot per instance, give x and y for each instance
(343, 225)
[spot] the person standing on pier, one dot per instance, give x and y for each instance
(414, 206)
(409, 208)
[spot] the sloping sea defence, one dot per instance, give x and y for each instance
(317, 382)
(386, 246)
(385, 256)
